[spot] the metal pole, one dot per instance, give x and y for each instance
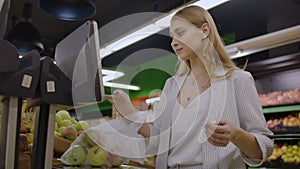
(50, 137)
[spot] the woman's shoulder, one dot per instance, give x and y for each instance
(176, 78)
(240, 74)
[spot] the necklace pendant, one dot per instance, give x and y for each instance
(188, 99)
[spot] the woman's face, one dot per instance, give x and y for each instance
(186, 38)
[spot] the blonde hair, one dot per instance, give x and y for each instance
(213, 51)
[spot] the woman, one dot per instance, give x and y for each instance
(209, 115)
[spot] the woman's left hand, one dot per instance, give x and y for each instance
(220, 134)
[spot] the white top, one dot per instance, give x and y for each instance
(186, 124)
(242, 108)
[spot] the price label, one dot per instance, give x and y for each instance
(26, 81)
(50, 86)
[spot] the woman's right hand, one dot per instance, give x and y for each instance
(122, 103)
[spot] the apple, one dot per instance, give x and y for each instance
(32, 126)
(30, 137)
(69, 132)
(58, 118)
(76, 155)
(84, 125)
(64, 115)
(65, 123)
(56, 126)
(24, 129)
(97, 156)
(60, 130)
(57, 133)
(77, 126)
(87, 141)
(115, 160)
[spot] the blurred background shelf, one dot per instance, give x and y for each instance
(281, 109)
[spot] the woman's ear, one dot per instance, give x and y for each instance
(206, 30)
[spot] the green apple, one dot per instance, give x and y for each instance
(87, 141)
(57, 133)
(32, 127)
(65, 123)
(58, 118)
(69, 132)
(97, 156)
(84, 125)
(76, 155)
(64, 115)
(115, 160)
(56, 126)
(30, 137)
(60, 130)
(77, 126)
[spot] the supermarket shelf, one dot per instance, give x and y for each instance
(286, 137)
(281, 109)
(277, 165)
(286, 130)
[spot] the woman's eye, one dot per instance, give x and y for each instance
(179, 33)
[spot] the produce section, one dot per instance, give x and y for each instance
(284, 121)
(278, 98)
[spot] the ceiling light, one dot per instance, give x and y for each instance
(160, 24)
(69, 9)
(208, 4)
(121, 86)
(110, 75)
(152, 100)
(264, 42)
(24, 35)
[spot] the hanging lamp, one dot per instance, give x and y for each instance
(24, 35)
(69, 9)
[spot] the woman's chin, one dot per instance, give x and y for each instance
(182, 57)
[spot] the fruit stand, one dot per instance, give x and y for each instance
(279, 94)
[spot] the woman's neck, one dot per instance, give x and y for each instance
(197, 68)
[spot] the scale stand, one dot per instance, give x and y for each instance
(42, 151)
(9, 132)
(55, 89)
(14, 86)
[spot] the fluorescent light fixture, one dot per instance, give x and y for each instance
(158, 25)
(208, 4)
(264, 42)
(129, 39)
(110, 75)
(121, 86)
(152, 100)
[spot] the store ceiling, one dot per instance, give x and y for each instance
(54, 30)
(237, 20)
(243, 19)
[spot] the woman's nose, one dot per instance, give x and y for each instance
(174, 42)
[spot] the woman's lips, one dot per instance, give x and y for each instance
(178, 50)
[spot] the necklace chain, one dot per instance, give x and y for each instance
(193, 82)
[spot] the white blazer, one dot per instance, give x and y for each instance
(242, 108)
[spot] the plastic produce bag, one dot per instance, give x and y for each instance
(110, 143)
